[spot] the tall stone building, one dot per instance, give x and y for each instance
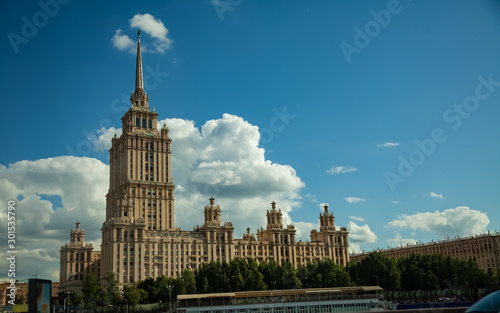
(139, 237)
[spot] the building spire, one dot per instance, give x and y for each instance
(139, 83)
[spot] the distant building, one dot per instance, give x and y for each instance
(139, 237)
(78, 259)
(484, 249)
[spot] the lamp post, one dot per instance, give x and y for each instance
(126, 301)
(170, 294)
(274, 283)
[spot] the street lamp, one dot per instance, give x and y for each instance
(170, 294)
(274, 283)
(126, 300)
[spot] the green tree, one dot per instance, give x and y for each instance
(112, 290)
(189, 281)
(131, 295)
(377, 269)
(143, 296)
(147, 286)
(75, 298)
(90, 290)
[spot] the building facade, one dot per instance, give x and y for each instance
(77, 260)
(139, 237)
(484, 249)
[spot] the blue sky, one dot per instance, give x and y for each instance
(387, 111)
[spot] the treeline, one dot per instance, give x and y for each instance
(418, 272)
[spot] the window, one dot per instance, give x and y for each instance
(150, 124)
(144, 123)
(137, 122)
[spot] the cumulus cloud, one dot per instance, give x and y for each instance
(222, 159)
(122, 41)
(354, 199)
(148, 24)
(42, 227)
(436, 195)
(303, 230)
(360, 234)
(357, 218)
(102, 139)
(400, 241)
(451, 222)
(341, 170)
(388, 145)
(354, 248)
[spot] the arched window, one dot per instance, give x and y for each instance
(137, 122)
(144, 123)
(132, 234)
(147, 145)
(150, 123)
(125, 235)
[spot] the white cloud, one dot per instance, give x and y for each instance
(303, 230)
(354, 199)
(395, 202)
(451, 222)
(153, 27)
(354, 248)
(322, 206)
(122, 42)
(341, 170)
(148, 24)
(360, 234)
(400, 241)
(222, 158)
(81, 184)
(311, 197)
(102, 139)
(435, 195)
(388, 145)
(357, 218)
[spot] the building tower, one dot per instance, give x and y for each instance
(77, 260)
(281, 240)
(141, 192)
(335, 240)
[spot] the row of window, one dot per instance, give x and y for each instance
(138, 123)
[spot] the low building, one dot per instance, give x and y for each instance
(314, 300)
(483, 248)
